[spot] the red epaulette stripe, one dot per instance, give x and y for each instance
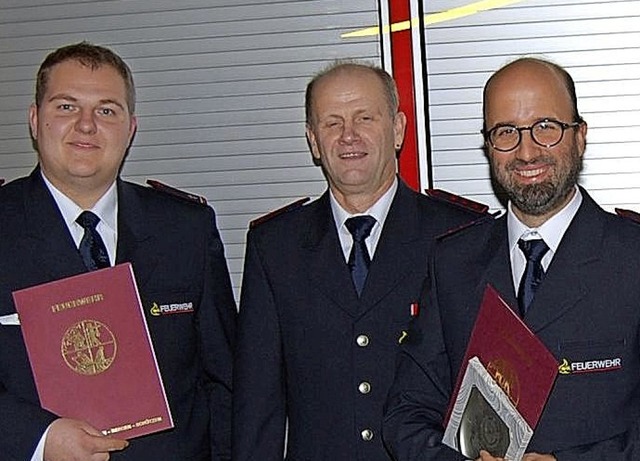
(279, 211)
(462, 202)
(176, 192)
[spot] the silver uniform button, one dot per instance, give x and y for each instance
(362, 340)
(367, 435)
(364, 387)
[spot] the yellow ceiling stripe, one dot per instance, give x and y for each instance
(453, 13)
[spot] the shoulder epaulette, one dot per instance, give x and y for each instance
(628, 214)
(457, 200)
(272, 214)
(474, 222)
(176, 192)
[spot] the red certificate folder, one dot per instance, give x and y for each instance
(513, 355)
(91, 353)
(502, 386)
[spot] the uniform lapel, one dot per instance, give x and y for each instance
(564, 286)
(498, 271)
(135, 241)
(395, 254)
(52, 245)
(327, 268)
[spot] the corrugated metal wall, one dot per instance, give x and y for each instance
(221, 83)
(220, 90)
(597, 41)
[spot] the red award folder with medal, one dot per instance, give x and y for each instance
(91, 354)
(504, 383)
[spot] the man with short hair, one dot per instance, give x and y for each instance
(585, 307)
(82, 123)
(329, 288)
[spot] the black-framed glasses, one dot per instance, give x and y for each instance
(545, 133)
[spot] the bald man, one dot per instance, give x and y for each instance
(585, 310)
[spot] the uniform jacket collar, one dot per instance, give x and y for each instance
(393, 258)
(564, 285)
(53, 246)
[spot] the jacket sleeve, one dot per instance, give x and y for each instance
(22, 426)
(259, 401)
(217, 324)
(622, 447)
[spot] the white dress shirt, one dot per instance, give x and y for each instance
(378, 210)
(105, 208)
(551, 232)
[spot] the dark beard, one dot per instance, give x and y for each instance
(540, 199)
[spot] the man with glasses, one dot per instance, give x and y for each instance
(585, 309)
(545, 133)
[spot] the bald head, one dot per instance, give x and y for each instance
(524, 70)
(341, 68)
(533, 103)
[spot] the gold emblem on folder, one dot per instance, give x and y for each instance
(89, 347)
(506, 377)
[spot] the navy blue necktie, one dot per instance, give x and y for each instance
(534, 251)
(92, 249)
(359, 260)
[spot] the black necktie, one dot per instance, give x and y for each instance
(534, 251)
(92, 249)
(360, 228)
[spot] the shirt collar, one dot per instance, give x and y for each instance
(105, 208)
(378, 210)
(551, 231)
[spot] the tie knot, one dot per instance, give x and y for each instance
(533, 250)
(88, 220)
(360, 226)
